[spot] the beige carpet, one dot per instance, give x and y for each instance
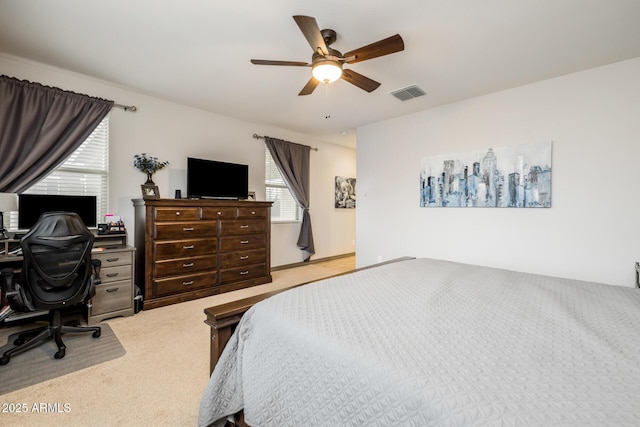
(161, 377)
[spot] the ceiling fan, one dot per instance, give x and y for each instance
(326, 63)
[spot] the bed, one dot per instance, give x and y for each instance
(427, 342)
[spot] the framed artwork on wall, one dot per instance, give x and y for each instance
(506, 177)
(345, 193)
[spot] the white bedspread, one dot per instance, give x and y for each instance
(434, 343)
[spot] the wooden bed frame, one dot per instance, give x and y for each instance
(224, 318)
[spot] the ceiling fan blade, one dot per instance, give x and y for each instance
(311, 32)
(309, 87)
(383, 47)
(269, 62)
(364, 83)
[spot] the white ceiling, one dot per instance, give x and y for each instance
(197, 52)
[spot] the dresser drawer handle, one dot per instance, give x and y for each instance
(244, 257)
(219, 213)
(188, 247)
(177, 213)
(112, 274)
(112, 290)
(244, 242)
(190, 282)
(244, 226)
(253, 212)
(187, 265)
(112, 259)
(187, 228)
(244, 273)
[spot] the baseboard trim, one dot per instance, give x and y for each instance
(313, 261)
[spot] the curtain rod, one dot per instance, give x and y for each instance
(131, 108)
(256, 136)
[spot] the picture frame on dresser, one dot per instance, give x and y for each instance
(150, 191)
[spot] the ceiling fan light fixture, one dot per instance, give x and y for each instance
(326, 63)
(326, 71)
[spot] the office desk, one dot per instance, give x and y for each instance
(114, 296)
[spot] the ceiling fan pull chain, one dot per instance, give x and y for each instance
(327, 116)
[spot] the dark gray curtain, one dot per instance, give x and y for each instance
(293, 162)
(40, 126)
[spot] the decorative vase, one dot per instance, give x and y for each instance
(149, 179)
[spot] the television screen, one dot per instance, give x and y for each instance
(216, 180)
(31, 206)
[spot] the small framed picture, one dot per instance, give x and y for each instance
(252, 195)
(150, 191)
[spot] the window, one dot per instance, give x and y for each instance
(284, 206)
(84, 173)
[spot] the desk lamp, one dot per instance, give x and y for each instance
(8, 203)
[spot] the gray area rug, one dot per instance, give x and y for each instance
(38, 364)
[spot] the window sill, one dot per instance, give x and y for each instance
(285, 221)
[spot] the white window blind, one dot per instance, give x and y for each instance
(284, 206)
(84, 173)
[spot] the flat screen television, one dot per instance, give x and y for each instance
(210, 179)
(31, 206)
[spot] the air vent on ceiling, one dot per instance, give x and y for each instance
(408, 92)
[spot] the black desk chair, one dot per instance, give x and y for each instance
(57, 273)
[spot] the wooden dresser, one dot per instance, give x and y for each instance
(188, 249)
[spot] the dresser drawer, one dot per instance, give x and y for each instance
(242, 273)
(112, 259)
(219, 213)
(184, 248)
(252, 212)
(185, 230)
(180, 266)
(187, 283)
(112, 274)
(112, 297)
(176, 214)
(240, 258)
(241, 243)
(242, 226)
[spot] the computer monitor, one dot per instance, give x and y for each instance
(31, 206)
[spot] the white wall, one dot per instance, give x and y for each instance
(173, 132)
(591, 231)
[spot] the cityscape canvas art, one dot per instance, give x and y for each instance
(509, 177)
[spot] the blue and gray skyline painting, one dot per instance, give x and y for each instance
(518, 177)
